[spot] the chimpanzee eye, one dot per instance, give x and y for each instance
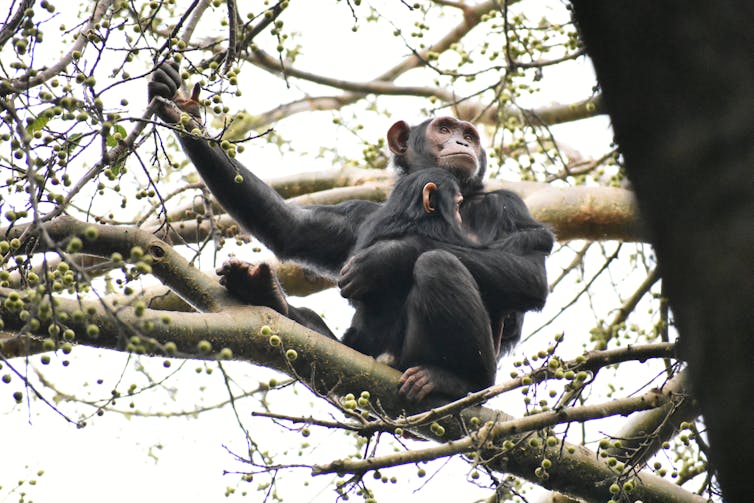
(444, 130)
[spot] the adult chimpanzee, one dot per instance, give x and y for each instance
(508, 268)
(415, 324)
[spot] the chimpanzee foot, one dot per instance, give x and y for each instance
(254, 284)
(419, 381)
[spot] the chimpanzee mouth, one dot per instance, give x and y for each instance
(462, 158)
(456, 154)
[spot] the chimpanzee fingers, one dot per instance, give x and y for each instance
(228, 266)
(343, 283)
(351, 287)
(346, 281)
(423, 383)
(355, 281)
(261, 271)
(161, 89)
(346, 268)
(416, 383)
(421, 393)
(165, 81)
(416, 388)
(172, 69)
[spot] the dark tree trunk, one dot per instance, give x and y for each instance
(678, 82)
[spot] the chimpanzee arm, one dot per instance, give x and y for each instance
(514, 281)
(501, 220)
(320, 236)
(511, 279)
(510, 268)
(385, 264)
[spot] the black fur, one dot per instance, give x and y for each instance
(416, 322)
(473, 295)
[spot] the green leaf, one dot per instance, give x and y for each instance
(110, 140)
(40, 121)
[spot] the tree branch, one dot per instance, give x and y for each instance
(36, 78)
(644, 435)
(491, 432)
(594, 213)
(329, 367)
(197, 288)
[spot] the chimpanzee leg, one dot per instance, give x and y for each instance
(308, 318)
(448, 345)
(259, 286)
(513, 324)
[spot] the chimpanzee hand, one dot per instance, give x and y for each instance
(254, 284)
(360, 274)
(166, 83)
(375, 268)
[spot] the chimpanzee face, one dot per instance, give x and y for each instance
(455, 146)
(442, 142)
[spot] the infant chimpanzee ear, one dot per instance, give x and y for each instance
(427, 193)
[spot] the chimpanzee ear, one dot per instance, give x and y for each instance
(397, 137)
(427, 192)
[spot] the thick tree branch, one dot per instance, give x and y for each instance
(680, 94)
(194, 286)
(593, 213)
(330, 367)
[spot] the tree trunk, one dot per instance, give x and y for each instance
(678, 83)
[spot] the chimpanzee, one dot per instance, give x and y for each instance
(402, 325)
(508, 266)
